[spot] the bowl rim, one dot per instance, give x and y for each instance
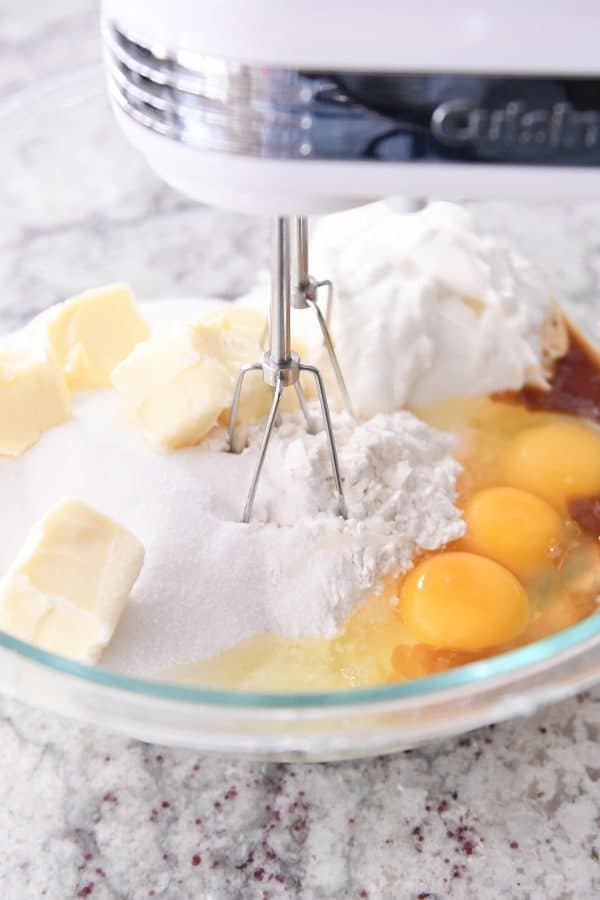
(481, 673)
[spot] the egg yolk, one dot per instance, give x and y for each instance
(463, 601)
(513, 527)
(557, 462)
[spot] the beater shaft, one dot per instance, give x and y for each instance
(280, 335)
(306, 295)
(301, 273)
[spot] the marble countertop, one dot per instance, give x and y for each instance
(505, 812)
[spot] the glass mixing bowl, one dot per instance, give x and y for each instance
(79, 208)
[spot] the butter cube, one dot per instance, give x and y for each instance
(33, 393)
(177, 383)
(66, 589)
(180, 381)
(241, 329)
(92, 332)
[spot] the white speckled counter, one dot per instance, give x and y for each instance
(506, 812)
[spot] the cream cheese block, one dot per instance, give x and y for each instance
(67, 588)
(92, 332)
(427, 308)
(33, 393)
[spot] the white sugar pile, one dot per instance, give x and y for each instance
(209, 581)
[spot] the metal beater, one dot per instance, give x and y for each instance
(305, 295)
(280, 365)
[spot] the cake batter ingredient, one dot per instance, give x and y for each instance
(574, 385)
(558, 462)
(177, 383)
(420, 660)
(586, 512)
(92, 332)
(513, 527)
(242, 330)
(68, 585)
(427, 309)
(33, 393)
(463, 601)
(180, 382)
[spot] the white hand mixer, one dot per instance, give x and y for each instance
(306, 107)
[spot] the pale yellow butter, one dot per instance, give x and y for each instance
(33, 393)
(91, 333)
(177, 384)
(66, 589)
(181, 379)
(180, 382)
(241, 330)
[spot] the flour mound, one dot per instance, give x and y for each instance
(399, 481)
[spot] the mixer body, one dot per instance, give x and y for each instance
(300, 110)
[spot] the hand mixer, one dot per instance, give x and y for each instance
(297, 107)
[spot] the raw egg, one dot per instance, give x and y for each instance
(464, 601)
(556, 461)
(513, 527)
(418, 660)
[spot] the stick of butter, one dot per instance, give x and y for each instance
(92, 332)
(66, 589)
(33, 393)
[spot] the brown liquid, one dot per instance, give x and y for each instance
(574, 385)
(586, 512)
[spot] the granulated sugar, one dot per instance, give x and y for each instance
(209, 581)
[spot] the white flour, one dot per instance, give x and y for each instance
(209, 581)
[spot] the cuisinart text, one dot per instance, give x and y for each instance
(457, 123)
